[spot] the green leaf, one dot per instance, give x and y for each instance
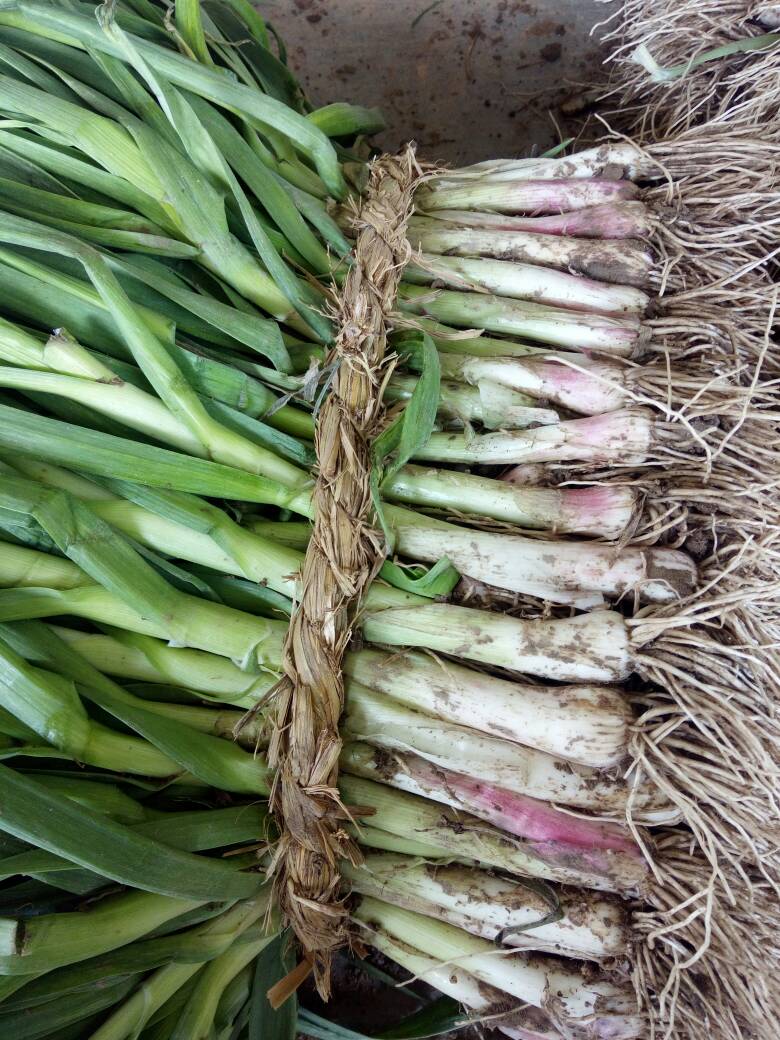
(550, 896)
(92, 544)
(30, 751)
(104, 454)
(189, 831)
(259, 334)
(45, 702)
(248, 20)
(42, 293)
(180, 577)
(114, 238)
(212, 759)
(157, 364)
(37, 1023)
(440, 1016)
(190, 26)
(277, 199)
(141, 956)
(344, 120)
(78, 1030)
(198, 201)
(245, 31)
(661, 74)
(245, 595)
(296, 451)
(261, 110)
(33, 72)
(32, 813)
(412, 428)
(431, 582)
(95, 792)
(65, 164)
(271, 966)
(234, 1000)
(322, 1029)
(163, 1022)
(557, 149)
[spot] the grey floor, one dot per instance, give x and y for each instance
(466, 79)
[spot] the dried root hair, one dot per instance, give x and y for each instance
(707, 732)
(707, 735)
(705, 949)
(661, 90)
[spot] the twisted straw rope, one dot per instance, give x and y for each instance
(343, 555)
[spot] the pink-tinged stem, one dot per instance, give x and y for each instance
(582, 384)
(556, 326)
(518, 1033)
(610, 506)
(526, 196)
(603, 857)
(536, 507)
(623, 262)
(629, 428)
(623, 437)
(612, 158)
(518, 814)
(591, 392)
(610, 220)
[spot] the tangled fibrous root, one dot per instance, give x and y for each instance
(660, 89)
(708, 736)
(712, 372)
(706, 949)
(708, 705)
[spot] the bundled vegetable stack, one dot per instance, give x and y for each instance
(561, 777)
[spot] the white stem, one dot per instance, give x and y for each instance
(584, 724)
(526, 1023)
(607, 222)
(769, 17)
(381, 721)
(623, 438)
(568, 329)
(578, 572)
(579, 383)
(619, 158)
(469, 839)
(527, 282)
(600, 510)
(519, 195)
(492, 404)
(591, 647)
(625, 262)
(606, 1009)
(561, 846)
(593, 927)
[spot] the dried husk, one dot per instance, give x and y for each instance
(344, 553)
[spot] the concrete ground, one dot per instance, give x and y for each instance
(466, 79)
